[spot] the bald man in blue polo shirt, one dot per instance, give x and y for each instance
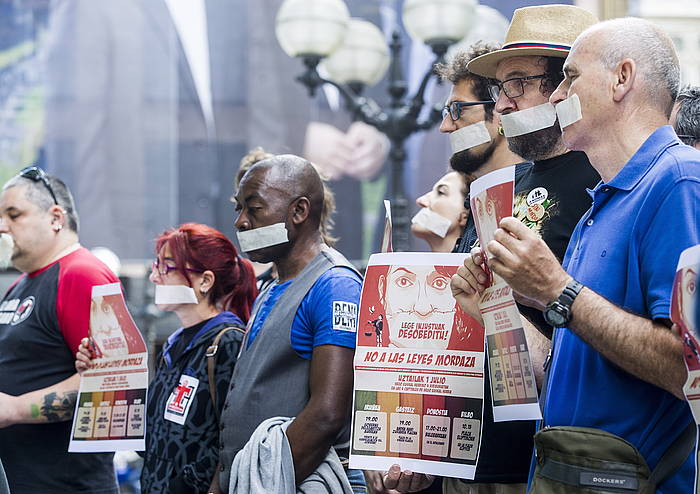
(615, 363)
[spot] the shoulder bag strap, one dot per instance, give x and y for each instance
(211, 354)
(675, 455)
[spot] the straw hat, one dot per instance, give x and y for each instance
(544, 30)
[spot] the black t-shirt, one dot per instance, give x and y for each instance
(185, 339)
(557, 189)
(42, 319)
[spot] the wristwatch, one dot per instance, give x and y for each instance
(558, 313)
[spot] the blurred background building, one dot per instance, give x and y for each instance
(145, 107)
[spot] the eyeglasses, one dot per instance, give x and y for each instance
(513, 88)
(454, 109)
(36, 174)
(163, 269)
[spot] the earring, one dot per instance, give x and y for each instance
(57, 228)
(500, 130)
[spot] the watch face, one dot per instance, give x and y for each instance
(556, 315)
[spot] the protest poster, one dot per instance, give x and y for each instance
(684, 308)
(110, 412)
(418, 398)
(512, 379)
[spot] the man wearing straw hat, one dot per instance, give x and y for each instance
(550, 197)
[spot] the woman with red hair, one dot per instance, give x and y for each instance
(200, 277)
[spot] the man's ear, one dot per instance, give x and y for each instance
(58, 217)
(300, 210)
(624, 76)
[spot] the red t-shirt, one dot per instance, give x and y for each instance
(43, 317)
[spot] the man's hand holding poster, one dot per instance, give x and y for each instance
(418, 369)
(110, 412)
(512, 380)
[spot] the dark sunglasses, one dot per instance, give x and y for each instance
(454, 109)
(36, 174)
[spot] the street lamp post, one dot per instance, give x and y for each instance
(361, 58)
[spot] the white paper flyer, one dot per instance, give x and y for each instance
(513, 387)
(110, 412)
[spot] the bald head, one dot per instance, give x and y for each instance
(290, 177)
(648, 46)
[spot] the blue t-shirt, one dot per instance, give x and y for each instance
(326, 316)
(626, 248)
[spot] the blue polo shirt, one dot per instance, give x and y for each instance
(626, 248)
(326, 316)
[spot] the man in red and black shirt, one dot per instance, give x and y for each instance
(43, 317)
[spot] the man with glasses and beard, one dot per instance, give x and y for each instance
(469, 111)
(494, 470)
(43, 317)
(550, 196)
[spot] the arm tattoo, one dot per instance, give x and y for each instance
(59, 407)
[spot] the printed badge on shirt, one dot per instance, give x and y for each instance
(344, 316)
(178, 405)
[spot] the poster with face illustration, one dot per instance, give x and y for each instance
(111, 406)
(512, 379)
(419, 364)
(684, 313)
(112, 330)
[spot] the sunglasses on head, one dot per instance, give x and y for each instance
(36, 174)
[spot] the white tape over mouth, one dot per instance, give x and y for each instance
(469, 137)
(432, 221)
(265, 236)
(7, 245)
(174, 294)
(569, 111)
(530, 120)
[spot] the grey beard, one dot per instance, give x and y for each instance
(537, 145)
(466, 161)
